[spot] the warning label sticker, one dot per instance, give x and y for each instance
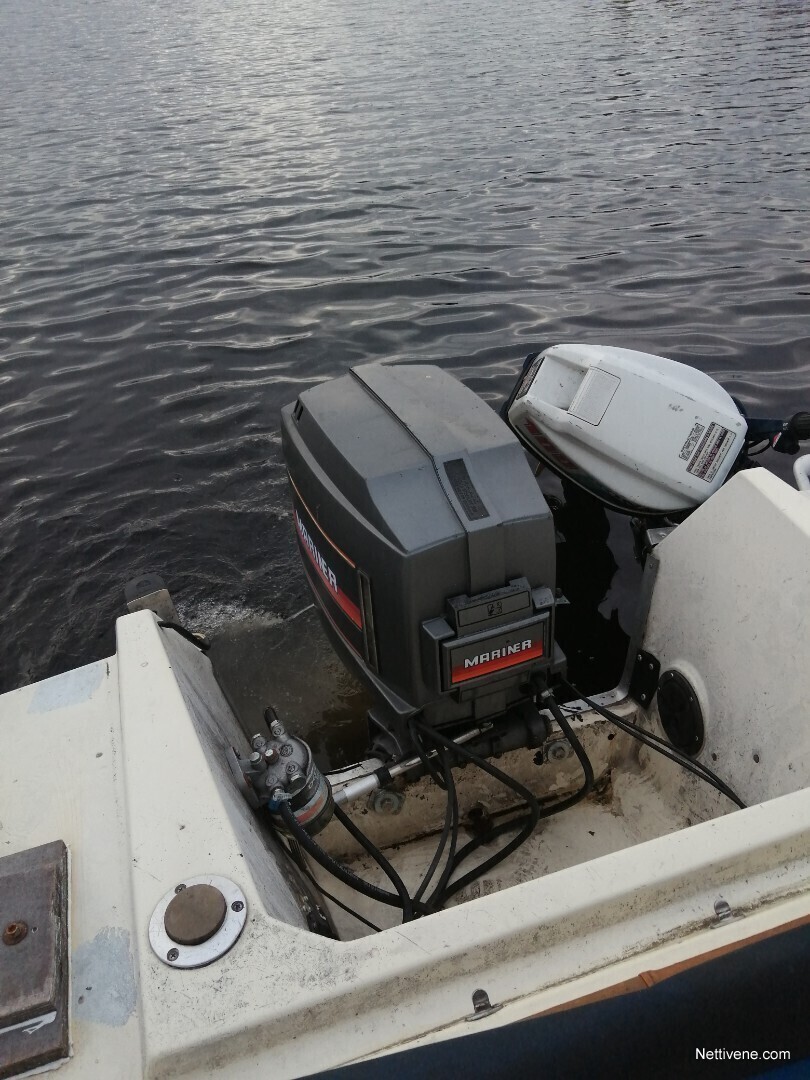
(711, 452)
(691, 442)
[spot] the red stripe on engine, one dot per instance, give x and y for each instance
(314, 521)
(462, 674)
(336, 628)
(347, 606)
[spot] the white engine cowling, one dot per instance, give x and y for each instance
(642, 433)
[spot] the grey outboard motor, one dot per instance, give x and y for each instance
(427, 544)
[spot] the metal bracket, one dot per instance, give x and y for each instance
(644, 678)
(149, 591)
(646, 539)
(724, 913)
(482, 1006)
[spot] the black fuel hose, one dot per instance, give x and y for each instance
(406, 903)
(661, 746)
(427, 764)
(449, 830)
(300, 863)
(438, 898)
(528, 822)
(412, 906)
(547, 698)
(337, 869)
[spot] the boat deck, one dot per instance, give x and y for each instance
(638, 797)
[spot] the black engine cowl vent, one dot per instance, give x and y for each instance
(426, 541)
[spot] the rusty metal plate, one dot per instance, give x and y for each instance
(33, 958)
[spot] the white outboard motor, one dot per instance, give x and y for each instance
(643, 434)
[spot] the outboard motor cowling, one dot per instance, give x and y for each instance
(426, 541)
(641, 433)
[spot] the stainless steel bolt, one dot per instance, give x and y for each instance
(256, 759)
(558, 751)
(277, 729)
(258, 741)
(387, 802)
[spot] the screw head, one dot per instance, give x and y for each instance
(389, 802)
(172, 954)
(179, 888)
(255, 758)
(237, 905)
(558, 751)
(257, 742)
(15, 932)
(292, 769)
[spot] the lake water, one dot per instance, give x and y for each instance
(207, 207)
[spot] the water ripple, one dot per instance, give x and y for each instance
(206, 208)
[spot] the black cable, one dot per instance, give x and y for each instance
(755, 453)
(528, 822)
(548, 698)
(435, 900)
(482, 763)
(430, 768)
(346, 908)
(448, 823)
(655, 742)
(341, 872)
(650, 739)
(443, 890)
(406, 902)
(489, 836)
(438, 899)
(666, 749)
(305, 870)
